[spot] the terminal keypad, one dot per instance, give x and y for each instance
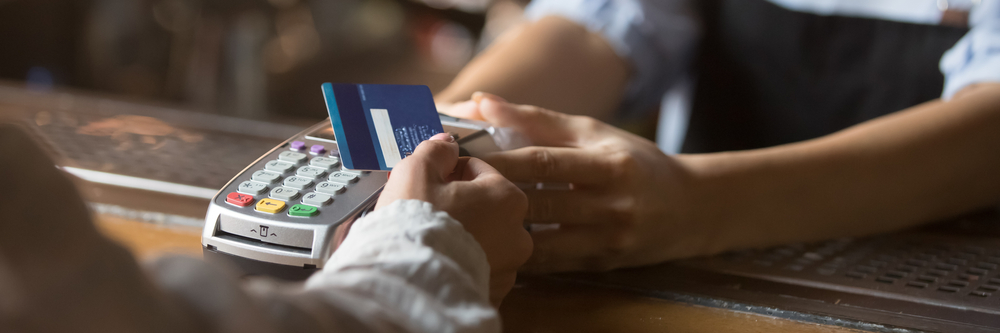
(284, 193)
(310, 171)
(270, 206)
(316, 199)
(264, 176)
(293, 157)
(325, 162)
(343, 177)
(330, 188)
(297, 180)
(252, 188)
(303, 210)
(279, 166)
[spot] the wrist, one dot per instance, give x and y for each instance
(717, 201)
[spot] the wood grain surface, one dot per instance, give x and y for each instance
(534, 306)
(147, 240)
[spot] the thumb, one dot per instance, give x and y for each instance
(463, 110)
(475, 169)
(436, 156)
(542, 127)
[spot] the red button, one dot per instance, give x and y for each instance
(239, 199)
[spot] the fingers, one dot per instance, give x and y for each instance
(576, 208)
(568, 249)
(543, 127)
(468, 109)
(458, 172)
(480, 95)
(546, 164)
(478, 178)
(480, 181)
(500, 286)
(436, 156)
(475, 168)
(465, 110)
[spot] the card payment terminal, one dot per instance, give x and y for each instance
(285, 214)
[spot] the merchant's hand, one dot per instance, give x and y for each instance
(628, 200)
(489, 206)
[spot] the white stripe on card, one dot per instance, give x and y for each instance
(386, 138)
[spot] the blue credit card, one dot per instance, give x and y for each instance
(377, 125)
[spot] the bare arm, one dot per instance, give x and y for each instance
(633, 205)
(553, 63)
(927, 162)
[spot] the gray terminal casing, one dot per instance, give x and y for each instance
(292, 247)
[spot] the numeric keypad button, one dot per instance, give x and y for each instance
(293, 157)
(325, 162)
(264, 176)
(316, 199)
(279, 166)
(310, 171)
(298, 182)
(331, 188)
(284, 193)
(252, 188)
(343, 177)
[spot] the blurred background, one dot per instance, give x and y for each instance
(256, 59)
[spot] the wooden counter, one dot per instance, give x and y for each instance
(534, 306)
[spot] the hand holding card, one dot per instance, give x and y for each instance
(377, 125)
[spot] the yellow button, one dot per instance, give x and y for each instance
(270, 205)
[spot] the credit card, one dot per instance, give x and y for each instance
(377, 125)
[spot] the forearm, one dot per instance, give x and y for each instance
(554, 63)
(403, 268)
(917, 165)
(418, 266)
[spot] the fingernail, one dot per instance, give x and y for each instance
(443, 106)
(479, 96)
(442, 137)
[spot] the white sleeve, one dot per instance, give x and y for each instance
(657, 37)
(402, 268)
(976, 57)
(408, 265)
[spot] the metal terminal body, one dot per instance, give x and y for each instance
(303, 204)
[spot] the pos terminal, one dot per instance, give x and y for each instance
(286, 212)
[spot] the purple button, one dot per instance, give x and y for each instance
(317, 149)
(298, 145)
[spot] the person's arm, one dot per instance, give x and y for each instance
(407, 267)
(410, 266)
(588, 57)
(924, 163)
(633, 205)
(554, 63)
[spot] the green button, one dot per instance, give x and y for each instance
(303, 210)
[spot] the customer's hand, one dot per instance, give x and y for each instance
(489, 206)
(628, 201)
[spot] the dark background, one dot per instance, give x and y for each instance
(259, 59)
